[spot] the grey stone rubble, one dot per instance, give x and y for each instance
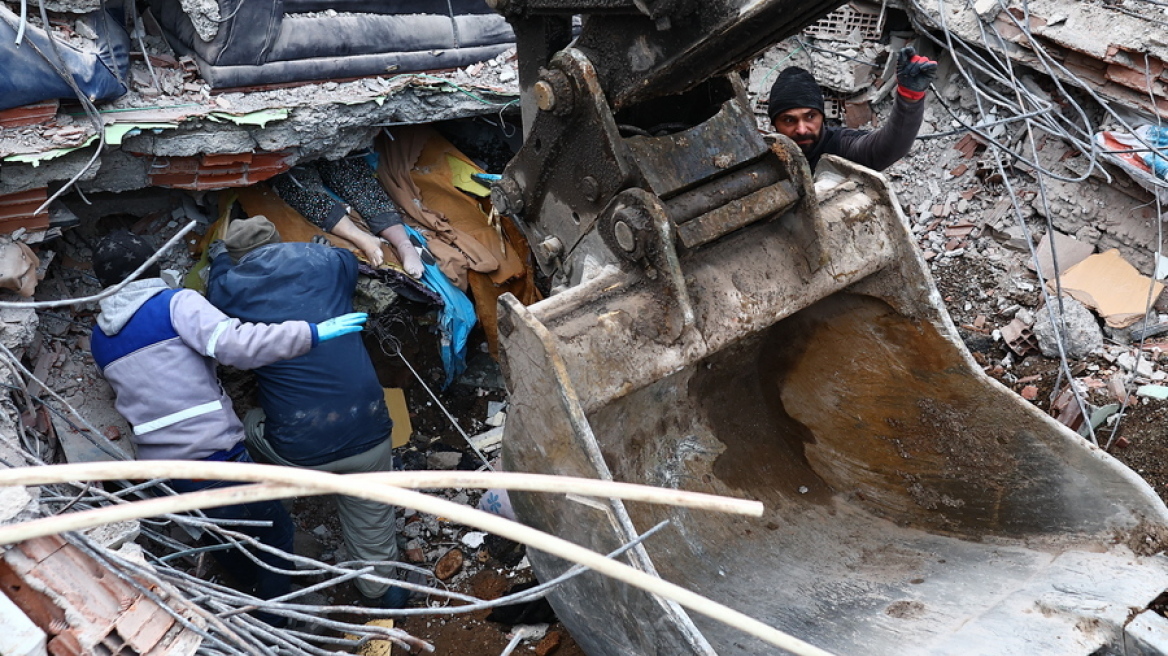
(180, 117)
(958, 218)
(960, 211)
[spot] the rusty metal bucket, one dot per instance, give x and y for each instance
(914, 505)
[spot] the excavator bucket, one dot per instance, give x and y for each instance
(913, 504)
(725, 323)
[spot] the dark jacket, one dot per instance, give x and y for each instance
(326, 404)
(876, 149)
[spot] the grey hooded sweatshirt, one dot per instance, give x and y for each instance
(158, 347)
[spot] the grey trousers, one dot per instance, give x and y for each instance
(369, 527)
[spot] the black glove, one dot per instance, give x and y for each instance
(321, 239)
(216, 249)
(914, 73)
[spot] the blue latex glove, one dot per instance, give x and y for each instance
(342, 325)
(485, 178)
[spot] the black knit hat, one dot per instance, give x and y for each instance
(795, 89)
(119, 254)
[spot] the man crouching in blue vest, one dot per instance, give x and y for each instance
(158, 347)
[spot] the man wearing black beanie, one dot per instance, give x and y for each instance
(795, 108)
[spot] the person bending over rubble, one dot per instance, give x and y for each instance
(304, 189)
(151, 339)
(326, 409)
(796, 106)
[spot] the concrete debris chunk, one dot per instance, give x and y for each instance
(1140, 366)
(18, 327)
(474, 539)
(1159, 392)
(444, 460)
(113, 536)
(1066, 249)
(13, 501)
(1112, 287)
(986, 10)
(1083, 335)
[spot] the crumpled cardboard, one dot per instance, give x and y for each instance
(1112, 287)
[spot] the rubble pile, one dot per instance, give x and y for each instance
(1008, 170)
(170, 129)
(1005, 192)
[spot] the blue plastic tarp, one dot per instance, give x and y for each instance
(29, 77)
(455, 319)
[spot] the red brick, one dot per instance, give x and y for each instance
(1134, 78)
(209, 172)
(34, 114)
(179, 180)
(16, 211)
(226, 159)
(549, 644)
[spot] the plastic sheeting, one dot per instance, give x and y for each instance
(1123, 150)
(29, 77)
(272, 41)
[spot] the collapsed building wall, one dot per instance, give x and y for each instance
(171, 130)
(209, 141)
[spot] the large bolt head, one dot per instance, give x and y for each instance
(553, 92)
(545, 96)
(552, 247)
(590, 188)
(624, 236)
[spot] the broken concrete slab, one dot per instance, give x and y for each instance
(20, 637)
(80, 448)
(1146, 634)
(305, 123)
(1112, 287)
(1066, 249)
(18, 327)
(1097, 46)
